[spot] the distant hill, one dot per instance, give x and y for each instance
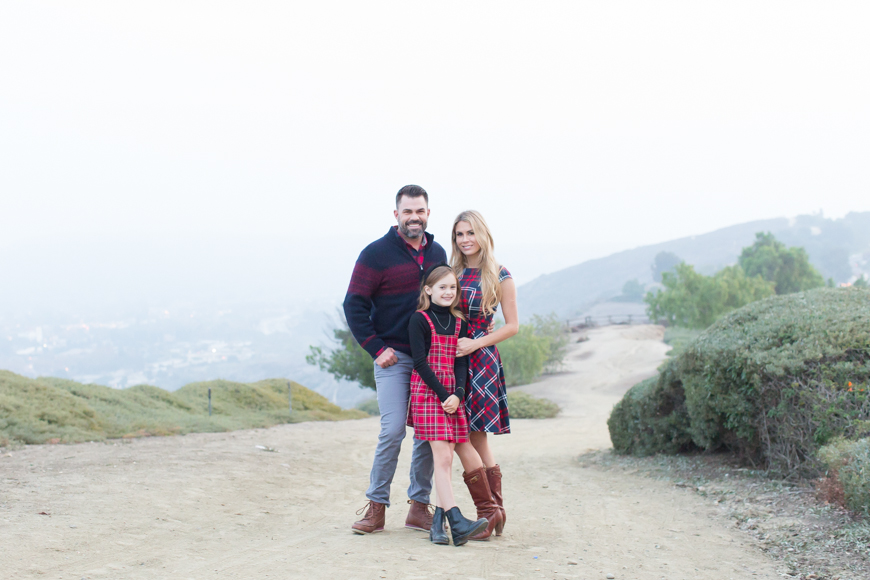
(839, 248)
(50, 410)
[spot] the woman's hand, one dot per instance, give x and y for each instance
(451, 404)
(466, 346)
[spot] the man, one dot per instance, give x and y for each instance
(380, 300)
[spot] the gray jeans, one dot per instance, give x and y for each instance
(394, 390)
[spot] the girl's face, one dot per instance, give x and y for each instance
(465, 239)
(443, 292)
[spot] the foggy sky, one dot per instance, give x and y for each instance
(577, 128)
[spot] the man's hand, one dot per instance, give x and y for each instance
(451, 404)
(465, 346)
(387, 358)
(491, 327)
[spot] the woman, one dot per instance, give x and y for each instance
(485, 284)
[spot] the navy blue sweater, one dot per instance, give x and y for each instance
(384, 290)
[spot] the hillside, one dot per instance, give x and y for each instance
(837, 247)
(57, 410)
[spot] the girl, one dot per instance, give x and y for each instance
(484, 285)
(436, 409)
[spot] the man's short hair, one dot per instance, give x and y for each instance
(412, 191)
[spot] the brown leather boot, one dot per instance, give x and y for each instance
(478, 487)
(419, 516)
(493, 477)
(372, 521)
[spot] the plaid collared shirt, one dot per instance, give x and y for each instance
(416, 254)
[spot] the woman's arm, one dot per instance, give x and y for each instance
(511, 322)
(460, 365)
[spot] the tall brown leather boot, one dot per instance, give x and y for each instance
(372, 521)
(493, 476)
(478, 487)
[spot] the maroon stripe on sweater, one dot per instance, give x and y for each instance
(364, 280)
(401, 279)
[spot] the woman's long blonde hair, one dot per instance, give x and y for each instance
(489, 267)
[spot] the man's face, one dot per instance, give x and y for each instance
(412, 216)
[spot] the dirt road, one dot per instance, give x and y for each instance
(215, 506)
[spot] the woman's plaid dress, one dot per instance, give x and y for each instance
(486, 395)
(425, 413)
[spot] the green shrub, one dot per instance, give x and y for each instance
(524, 406)
(536, 348)
(679, 338)
(773, 381)
(370, 407)
(58, 410)
(779, 378)
(523, 356)
(347, 361)
(557, 337)
(652, 417)
(692, 300)
(788, 268)
(849, 462)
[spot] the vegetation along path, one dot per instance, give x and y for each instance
(278, 502)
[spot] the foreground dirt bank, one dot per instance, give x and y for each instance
(217, 506)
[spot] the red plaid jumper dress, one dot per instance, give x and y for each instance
(425, 413)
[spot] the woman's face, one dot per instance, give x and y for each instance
(465, 239)
(443, 292)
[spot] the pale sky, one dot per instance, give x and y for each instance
(577, 128)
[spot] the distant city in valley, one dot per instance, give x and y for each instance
(169, 348)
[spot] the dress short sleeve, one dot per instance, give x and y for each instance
(503, 274)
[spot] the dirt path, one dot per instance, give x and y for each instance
(215, 506)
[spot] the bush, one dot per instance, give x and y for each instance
(523, 356)
(788, 268)
(370, 407)
(557, 337)
(775, 380)
(524, 406)
(537, 347)
(679, 338)
(848, 464)
(692, 300)
(347, 361)
(652, 417)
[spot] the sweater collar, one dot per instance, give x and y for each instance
(393, 235)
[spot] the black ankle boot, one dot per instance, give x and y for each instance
(461, 527)
(437, 533)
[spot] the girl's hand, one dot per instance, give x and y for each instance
(451, 404)
(466, 346)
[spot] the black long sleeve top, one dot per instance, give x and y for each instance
(421, 341)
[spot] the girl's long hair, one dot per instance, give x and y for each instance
(489, 267)
(432, 278)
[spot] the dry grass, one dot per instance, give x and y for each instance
(49, 410)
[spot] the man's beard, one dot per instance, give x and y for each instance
(403, 227)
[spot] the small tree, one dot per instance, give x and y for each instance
(349, 361)
(693, 300)
(788, 268)
(537, 348)
(523, 356)
(633, 291)
(664, 262)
